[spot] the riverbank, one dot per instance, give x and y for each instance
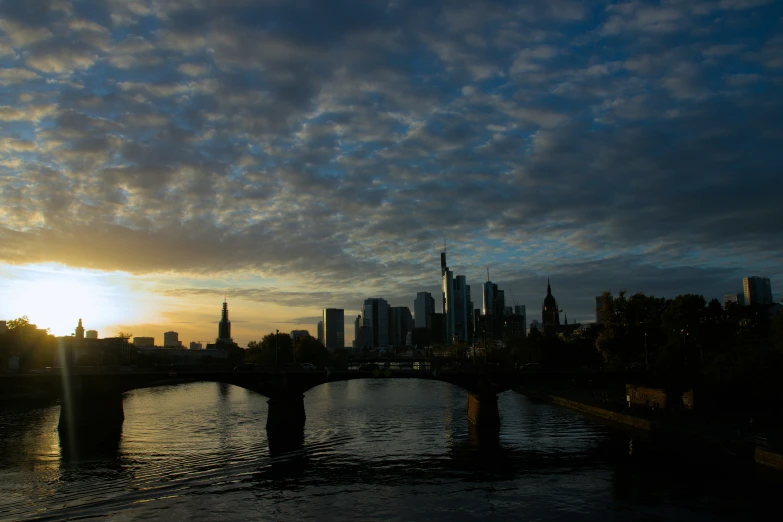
(719, 439)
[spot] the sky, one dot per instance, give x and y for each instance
(291, 155)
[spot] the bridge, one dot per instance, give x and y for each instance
(91, 398)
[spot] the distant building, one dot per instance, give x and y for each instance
(298, 334)
(758, 290)
(375, 315)
(492, 320)
(400, 324)
(738, 299)
(320, 330)
(599, 303)
(79, 332)
(456, 304)
(171, 340)
(91, 334)
(196, 346)
(3, 327)
(423, 306)
(535, 325)
(514, 327)
(224, 328)
(144, 342)
(550, 313)
(334, 328)
(437, 330)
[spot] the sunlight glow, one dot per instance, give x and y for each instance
(56, 297)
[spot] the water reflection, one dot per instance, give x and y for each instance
(374, 449)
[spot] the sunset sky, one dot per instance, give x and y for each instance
(295, 155)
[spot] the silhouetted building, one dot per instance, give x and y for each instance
(437, 330)
(143, 342)
(320, 329)
(3, 327)
(334, 328)
(420, 337)
(456, 304)
(400, 323)
(758, 290)
(79, 332)
(599, 303)
(376, 316)
(514, 327)
(224, 328)
(423, 306)
(738, 299)
(298, 334)
(91, 334)
(171, 340)
(492, 320)
(196, 346)
(550, 313)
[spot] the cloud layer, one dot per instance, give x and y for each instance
(333, 145)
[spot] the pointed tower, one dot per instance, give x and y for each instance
(550, 314)
(224, 329)
(79, 331)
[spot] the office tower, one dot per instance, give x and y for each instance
(170, 340)
(376, 316)
(598, 305)
(423, 306)
(456, 304)
(143, 342)
(196, 345)
(437, 329)
(320, 329)
(400, 324)
(447, 286)
(334, 328)
(91, 334)
(738, 299)
(224, 328)
(493, 311)
(758, 290)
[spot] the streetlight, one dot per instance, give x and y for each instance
(276, 332)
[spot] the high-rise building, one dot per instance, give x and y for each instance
(91, 334)
(334, 328)
(376, 316)
(224, 328)
(143, 342)
(171, 340)
(456, 304)
(598, 304)
(493, 311)
(423, 306)
(738, 299)
(758, 290)
(400, 324)
(320, 330)
(196, 346)
(550, 313)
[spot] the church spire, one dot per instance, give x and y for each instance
(548, 288)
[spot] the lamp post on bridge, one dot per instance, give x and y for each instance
(276, 333)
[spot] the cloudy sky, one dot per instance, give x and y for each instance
(294, 155)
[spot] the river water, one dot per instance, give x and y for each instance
(372, 450)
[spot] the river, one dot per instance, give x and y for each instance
(372, 450)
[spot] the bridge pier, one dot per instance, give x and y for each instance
(483, 412)
(286, 415)
(79, 409)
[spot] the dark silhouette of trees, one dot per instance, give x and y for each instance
(269, 353)
(309, 350)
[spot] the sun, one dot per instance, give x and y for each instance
(56, 297)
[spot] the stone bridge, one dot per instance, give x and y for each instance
(92, 398)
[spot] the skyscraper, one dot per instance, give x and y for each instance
(224, 328)
(493, 311)
(320, 329)
(423, 306)
(758, 290)
(171, 339)
(376, 316)
(456, 304)
(334, 328)
(400, 323)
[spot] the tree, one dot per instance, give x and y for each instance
(124, 335)
(309, 349)
(267, 352)
(19, 322)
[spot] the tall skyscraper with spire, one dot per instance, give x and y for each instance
(224, 328)
(79, 331)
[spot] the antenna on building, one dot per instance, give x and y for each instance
(487, 273)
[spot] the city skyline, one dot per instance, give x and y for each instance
(154, 158)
